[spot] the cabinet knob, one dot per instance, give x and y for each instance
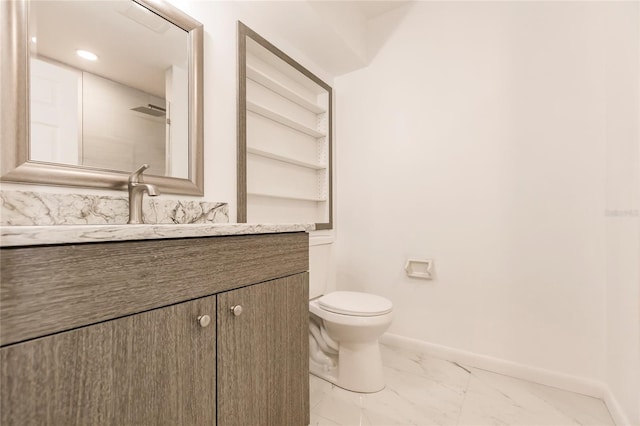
(204, 320)
(236, 310)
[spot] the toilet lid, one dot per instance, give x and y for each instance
(355, 303)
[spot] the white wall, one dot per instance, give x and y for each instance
(476, 138)
(623, 209)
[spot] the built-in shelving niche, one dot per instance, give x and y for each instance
(284, 137)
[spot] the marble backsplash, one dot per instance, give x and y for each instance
(39, 208)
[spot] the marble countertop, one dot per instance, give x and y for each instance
(11, 236)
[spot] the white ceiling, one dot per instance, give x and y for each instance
(332, 34)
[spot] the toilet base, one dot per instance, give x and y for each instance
(359, 368)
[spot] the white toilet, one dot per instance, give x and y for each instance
(344, 327)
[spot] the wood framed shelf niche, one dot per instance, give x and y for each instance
(284, 137)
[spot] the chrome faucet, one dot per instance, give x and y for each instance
(137, 188)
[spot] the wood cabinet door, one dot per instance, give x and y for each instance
(153, 368)
(263, 354)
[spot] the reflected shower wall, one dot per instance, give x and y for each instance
(114, 135)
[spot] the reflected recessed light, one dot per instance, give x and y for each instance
(34, 39)
(87, 55)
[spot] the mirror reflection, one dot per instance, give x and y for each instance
(109, 87)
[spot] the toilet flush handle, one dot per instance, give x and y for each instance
(236, 310)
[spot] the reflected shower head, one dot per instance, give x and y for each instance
(156, 111)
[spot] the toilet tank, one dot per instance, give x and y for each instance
(321, 266)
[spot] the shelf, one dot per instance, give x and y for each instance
(277, 87)
(265, 112)
(286, 197)
(285, 159)
(285, 138)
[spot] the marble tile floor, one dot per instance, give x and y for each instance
(422, 390)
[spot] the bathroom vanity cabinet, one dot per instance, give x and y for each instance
(196, 331)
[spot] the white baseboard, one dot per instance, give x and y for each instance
(568, 382)
(616, 411)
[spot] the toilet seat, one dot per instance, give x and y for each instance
(355, 304)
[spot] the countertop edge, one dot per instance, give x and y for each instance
(16, 236)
